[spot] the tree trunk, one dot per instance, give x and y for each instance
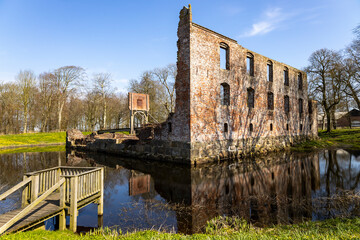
(25, 119)
(60, 115)
(328, 120)
(104, 116)
(333, 118)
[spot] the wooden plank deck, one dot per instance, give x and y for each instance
(45, 210)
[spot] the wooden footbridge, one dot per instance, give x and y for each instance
(58, 191)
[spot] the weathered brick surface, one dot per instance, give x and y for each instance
(200, 117)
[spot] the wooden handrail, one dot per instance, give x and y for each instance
(83, 173)
(15, 188)
(69, 167)
(40, 171)
(61, 167)
(26, 210)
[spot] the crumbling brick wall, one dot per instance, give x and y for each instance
(200, 117)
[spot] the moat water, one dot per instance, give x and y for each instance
(279, 188)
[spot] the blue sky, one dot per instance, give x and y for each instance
(126, 38)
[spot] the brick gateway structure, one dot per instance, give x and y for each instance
(230, 102)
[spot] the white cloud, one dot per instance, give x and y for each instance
(260, 28)
(271, 20)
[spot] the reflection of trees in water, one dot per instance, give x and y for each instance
(264, 191)
(13, 166)
(339, 194)
(281, 188)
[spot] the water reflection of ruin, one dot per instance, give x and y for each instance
(257, 191)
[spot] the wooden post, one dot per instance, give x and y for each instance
(62, 215)
(73, 203)
(132, 131)
(101, 200)
(100, 221)
(34, 188)
(24, 195)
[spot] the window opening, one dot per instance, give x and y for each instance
(225, 94)
(300, 81)
(251, 127)
(287, 127)
(250, 64)
(271, 127)
(270, 101)
(224, 56)
(169, 127)
(269, 71)
(139, 103)
(286, 104)
(250, 98)
(300, 106)
(286, 76)
(226, 128)
(310, 108)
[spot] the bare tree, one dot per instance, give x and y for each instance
(352, 68)
(47, 95)
(166, 76)
(26, 81)
(324, 82)
(102, 84)
(66, 79)
(10, 108)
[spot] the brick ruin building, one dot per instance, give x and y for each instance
(230, 102)
(253, 103)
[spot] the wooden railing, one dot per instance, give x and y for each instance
(88, 178)
(74, 185)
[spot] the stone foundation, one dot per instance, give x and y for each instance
(184, 153)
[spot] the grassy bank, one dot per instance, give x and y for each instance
(344, 138)
(31, 139)
(27, 139)
(221, 228)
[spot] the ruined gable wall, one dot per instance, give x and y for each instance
(208, 115)
(180, 120)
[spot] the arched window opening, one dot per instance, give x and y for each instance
(226, 128)
(286, 104)
(225, 94)
(300, 81)
(250, 64)
(286, 76)
(271, 127)
(224, 56)
(251, 127)
(269, 71)
(270, 101)
(250, 98)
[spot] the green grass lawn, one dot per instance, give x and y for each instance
(220, 228)
(345, 138)
(32, 139)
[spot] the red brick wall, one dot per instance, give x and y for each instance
(199, 115)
